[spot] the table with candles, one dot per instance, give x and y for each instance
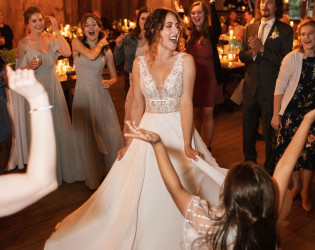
(232, 67)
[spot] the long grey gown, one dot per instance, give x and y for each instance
(97, 134)
(46, 75)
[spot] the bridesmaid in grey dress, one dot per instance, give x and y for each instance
(39, 51)
(97, 132)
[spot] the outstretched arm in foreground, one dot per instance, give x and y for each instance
(287, 162)
(20, 190)
(180, 196)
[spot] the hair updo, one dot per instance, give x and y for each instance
(29, 12)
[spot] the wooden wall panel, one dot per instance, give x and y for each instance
(71, 12)
(160, 3)
(14, 13)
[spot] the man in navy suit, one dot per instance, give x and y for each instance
(265, 44)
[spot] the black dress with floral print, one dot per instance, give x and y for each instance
(301, 103)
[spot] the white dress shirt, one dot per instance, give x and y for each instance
(267, 28)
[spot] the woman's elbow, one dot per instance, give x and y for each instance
(65, 53)
(49, 187)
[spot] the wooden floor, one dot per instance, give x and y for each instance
(30, 228)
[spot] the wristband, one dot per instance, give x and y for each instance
(41, 109)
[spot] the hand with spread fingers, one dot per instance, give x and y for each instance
(142, 134)
(24, 83)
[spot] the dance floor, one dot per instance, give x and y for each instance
(30, 228)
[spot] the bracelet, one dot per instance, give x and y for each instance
(41, 109)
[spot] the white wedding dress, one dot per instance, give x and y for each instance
(132, 208)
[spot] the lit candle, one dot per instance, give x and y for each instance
(186, 19)
(230, 57)
(286, 1)
(231, 34)
(291, 23)
(132, 25)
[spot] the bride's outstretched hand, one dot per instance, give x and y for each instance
(142, 134)
(191, 153)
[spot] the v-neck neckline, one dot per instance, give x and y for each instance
(168, 76)
(40, 51)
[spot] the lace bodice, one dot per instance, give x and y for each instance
(167, 98)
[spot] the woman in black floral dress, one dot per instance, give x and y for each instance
(294, 97)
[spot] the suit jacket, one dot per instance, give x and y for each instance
(261, 74)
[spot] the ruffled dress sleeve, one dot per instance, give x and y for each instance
(55, 48)
(199, 222)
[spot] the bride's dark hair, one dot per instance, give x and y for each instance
(249, 201)
(153, 26)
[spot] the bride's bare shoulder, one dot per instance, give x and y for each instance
(187, 58)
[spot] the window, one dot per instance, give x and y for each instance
(295, 8)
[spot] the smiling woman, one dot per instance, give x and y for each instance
(132, 208)
(201, 45)
(295, 96)
(38, 44)
(97, 135)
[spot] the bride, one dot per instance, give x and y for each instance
(132, 208)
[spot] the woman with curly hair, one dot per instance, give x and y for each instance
(97, 135)
(132, 208)
(202, 45)
(295, 96)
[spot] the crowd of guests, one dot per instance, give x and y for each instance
(278, 86)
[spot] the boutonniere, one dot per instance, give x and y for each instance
(275, 34)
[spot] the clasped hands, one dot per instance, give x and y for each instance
(255, 44)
